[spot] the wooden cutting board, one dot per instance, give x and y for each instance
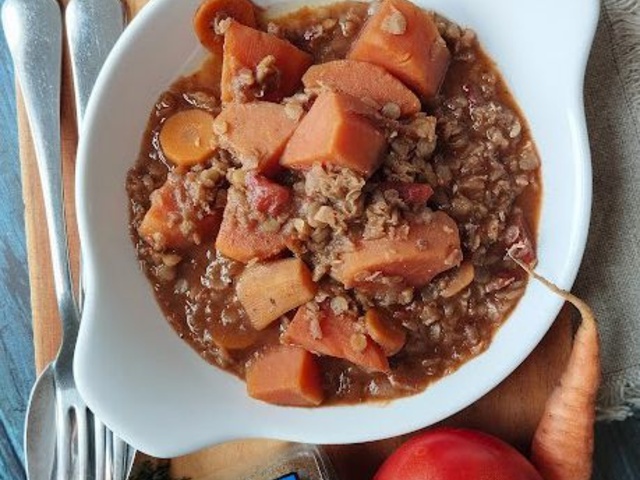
(511, 411)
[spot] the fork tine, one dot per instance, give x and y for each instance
(99, 449)
(63, 444)
(108, 449)
(83, 439)
(119, 459)
(130, 459)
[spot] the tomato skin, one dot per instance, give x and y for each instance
(266, 196)
(412, 193)
(456, 454)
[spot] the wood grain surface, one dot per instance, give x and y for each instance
(511, 411)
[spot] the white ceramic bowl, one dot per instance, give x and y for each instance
(154, 391)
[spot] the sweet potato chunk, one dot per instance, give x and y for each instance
(206, 21)
(182, 213)
(362, 80)
(389, 336)
(257, 65)
(187, 138)
(336, 131)
(268, 291)
(404, 40)
(324, 332)
(286, 376)
(242, 238)
(256, 133)
(430, 248)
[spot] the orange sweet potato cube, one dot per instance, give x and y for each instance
(336, 131)
(269, 290)
(287, 376)
(430, 248)
(275, 65)
(362, 80)
(176, 219)
(335, 335)
(256, 133)
(404, 40)
(243, 239)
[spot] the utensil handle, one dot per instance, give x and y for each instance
(93, 26)
(34, 36)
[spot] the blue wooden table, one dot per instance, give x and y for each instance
(17, 372)
(617, 444)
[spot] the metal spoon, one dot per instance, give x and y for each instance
(93, 26)
(40, 432)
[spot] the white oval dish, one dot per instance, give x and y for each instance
(154, 391)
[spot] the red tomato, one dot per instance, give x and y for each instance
(456, 454)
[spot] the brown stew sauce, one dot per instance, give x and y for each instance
(485, 174)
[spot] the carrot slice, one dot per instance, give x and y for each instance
(389, 336)
(287, 376)
(462, 278)
(256, 133)
(563, 443)
(268, 291)
(257, 65)
(336, 131)
(430, 249)
(404, 40)
(187, 138)
(206, 21)
(362, 80)
(234, 335)
(243, 239)
(340, 336)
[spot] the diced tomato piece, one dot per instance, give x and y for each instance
(266, 196)
(413, 193)
(519, 239)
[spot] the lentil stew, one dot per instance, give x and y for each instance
(324, 208)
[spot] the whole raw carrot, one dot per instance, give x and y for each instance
(562, 446)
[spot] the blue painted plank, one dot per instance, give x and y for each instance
(16, 341)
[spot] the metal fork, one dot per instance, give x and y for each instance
(33, 29)
(93, 26)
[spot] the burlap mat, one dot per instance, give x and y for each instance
(610, 276)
